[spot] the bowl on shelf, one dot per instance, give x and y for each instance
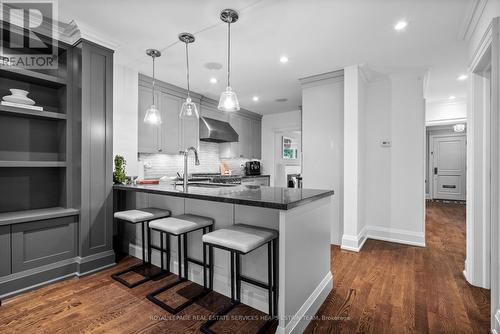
(19, 96)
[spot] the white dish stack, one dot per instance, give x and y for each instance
(19, 98)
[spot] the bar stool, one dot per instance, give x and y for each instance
(242, 239)
(180, 226)
(140, 216)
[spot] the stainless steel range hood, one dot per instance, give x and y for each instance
(216, 131)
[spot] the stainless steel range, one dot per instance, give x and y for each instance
(219, 179)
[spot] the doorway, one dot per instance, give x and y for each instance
(447, 162)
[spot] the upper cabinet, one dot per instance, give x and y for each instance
(249, 131)
(174, 134)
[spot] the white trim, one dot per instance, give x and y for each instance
(334, 76)
(482, 48)
(77, 30)
(446, 121)
(471, 19)
(298, 323)
(396, 235)
(354, 243)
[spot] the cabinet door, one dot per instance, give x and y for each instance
(245, 137)
(170, 127)
(149, 136)
(256, 134)
(213, 112)
(5, 250)
(190, 132)
(43, 242)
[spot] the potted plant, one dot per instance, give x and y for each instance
(119, 173)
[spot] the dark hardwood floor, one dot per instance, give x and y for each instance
(391, 288)
(386, 288)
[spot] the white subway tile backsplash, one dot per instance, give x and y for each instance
(169, 165)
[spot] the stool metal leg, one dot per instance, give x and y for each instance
(145, 265)
(238, 277)
(162, 249)
(167, 237)
(152, 296)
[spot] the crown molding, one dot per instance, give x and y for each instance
(471, 19)
(76, 31)
(482, 48)
(333, 76)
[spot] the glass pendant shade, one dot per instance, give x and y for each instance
(152, 116)
(189, 109)
(228, 101)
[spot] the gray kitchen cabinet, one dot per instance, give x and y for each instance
(43, 242)
(149, 135)
(256, 181)
(190, 132)
(249, 131)
(170, 128)
(173, 134)
(256, 139)
(5, 250)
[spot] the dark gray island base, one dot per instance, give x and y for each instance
(265, 197)
(304, 276)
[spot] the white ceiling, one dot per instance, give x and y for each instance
(317, 36)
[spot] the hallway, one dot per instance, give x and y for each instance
(392, 288)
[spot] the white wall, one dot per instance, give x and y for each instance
(393, 202)
(125, 103)
(271, 124)
(322, 140)
(377, 190)
(445, 112)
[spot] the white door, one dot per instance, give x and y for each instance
(448, 167)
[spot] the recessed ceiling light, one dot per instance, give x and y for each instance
(462, 77)
(255, 98)
(401, 25)
(452, 97)
(284, 59)
(213, 80)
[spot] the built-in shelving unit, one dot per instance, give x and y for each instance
(35, 145)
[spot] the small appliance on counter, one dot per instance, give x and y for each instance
(294, 181)
(252, 168)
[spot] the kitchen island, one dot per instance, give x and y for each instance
(302, 217)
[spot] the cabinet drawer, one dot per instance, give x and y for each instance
(4, 250)
(42, 242)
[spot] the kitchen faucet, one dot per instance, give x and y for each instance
(196, 162)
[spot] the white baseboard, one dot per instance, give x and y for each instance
(395, 235)
(301, 319)
(354, 243)
(250, 295)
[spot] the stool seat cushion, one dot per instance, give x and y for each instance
(181, 224)
(140, 215)
(240, 237)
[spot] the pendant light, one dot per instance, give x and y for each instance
(152, 113)
(228, 100)
(188, 108)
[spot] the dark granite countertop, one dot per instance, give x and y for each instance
(253, 176)
(266, 197)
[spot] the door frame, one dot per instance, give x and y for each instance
(481, 264)
(431, 159)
